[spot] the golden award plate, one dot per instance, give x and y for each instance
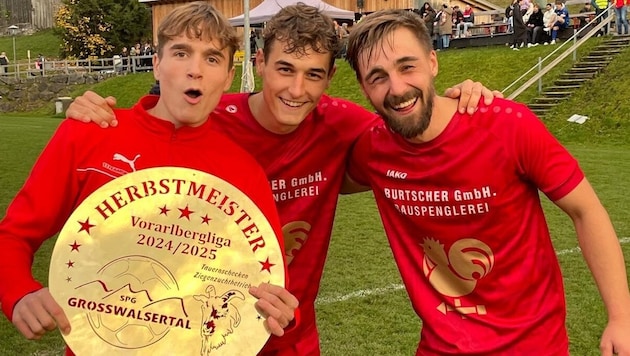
(159, 262)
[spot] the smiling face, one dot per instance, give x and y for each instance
(296, 66)
(293, 84)
(193, 74)
(396, 75)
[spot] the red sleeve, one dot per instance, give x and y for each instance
(359, 158)
(543, 160)
(361, 120)
(37, 212)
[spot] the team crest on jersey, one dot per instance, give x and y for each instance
(295, 235)
(454, 273)
(232, 109)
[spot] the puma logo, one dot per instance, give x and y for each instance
(131, 163)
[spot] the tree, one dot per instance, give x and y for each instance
(100, 28)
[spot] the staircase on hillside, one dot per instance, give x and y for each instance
(582, 71)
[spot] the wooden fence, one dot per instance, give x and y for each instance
(101, 65)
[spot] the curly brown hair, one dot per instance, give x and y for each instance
(300, 27)
(374, 30)
(199, 20)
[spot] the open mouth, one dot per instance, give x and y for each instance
(405, 105)
(293, 104)
(193, 93)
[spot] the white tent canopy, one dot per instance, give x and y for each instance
(268, 8)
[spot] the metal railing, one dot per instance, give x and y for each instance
(101, 65)
(604, 21)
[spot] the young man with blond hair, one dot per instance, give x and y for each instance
(194, 66)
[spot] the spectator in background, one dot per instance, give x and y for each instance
(535, 26)
(584, 20)
(528, 12)
(135, 52)
(445, 27)
(468, 20)
(147, 50)
(4, 63)
(124, 54)
(252, 42)
(621, 15)
(549, 19)
(458, 17)
(337, 29)
(601, 6)
(344, 33)
(562, 20)
(429, 17)
(520, 28)
(260, 41)
(39, 63)
(509, 20)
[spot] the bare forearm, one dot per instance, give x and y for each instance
(602, 252)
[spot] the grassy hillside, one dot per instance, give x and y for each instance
(44, 42)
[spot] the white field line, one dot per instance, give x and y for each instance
(394, 287)
(21, 125)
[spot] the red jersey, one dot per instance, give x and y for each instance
(79, 159)
(305, 169)
(464, 220)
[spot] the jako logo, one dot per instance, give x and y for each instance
(396, 174)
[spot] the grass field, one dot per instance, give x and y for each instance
(362, 307)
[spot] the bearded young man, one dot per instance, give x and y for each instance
(463, 217)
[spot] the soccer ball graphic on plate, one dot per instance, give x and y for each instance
(137, 292)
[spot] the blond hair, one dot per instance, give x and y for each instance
(199, 20)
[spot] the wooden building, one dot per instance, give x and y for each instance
(37, 14)
(232, 8)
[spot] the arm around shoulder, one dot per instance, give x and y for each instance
(91, 107)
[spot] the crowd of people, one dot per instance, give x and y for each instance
(138, 56)
(531, 26)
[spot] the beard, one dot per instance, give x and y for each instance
(414, 124)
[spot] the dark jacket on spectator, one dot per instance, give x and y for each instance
(458, 16)
(428, 15)
(536, 19)
(520, 28)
